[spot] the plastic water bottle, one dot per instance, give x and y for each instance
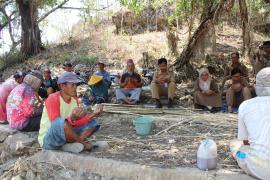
(207, 155)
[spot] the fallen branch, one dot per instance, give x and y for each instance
(170, 127)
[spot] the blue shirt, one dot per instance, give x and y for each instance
(105, 75)
(100, 90)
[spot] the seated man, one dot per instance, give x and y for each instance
(49, 85)
(207, 95)
(163, 84)
(252, 149)
(237, 90)
(99, 91)
(5, 89)
(235, 63)
(262, 57)
(102, 72)
(130, 84)
(63, 121)
(23, 109)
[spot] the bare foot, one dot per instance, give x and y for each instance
(87, 146)
(230, 110)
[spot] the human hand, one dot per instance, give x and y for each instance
(209, 92)
(92, 98)
(77, 113)
(127, 80)
(98, 109)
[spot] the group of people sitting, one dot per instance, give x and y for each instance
(130, 85)
(235, 87)
(36, 102)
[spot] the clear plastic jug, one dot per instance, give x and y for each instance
(207, 155)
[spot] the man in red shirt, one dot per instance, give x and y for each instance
(64, 125)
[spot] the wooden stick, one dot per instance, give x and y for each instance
(176, 124)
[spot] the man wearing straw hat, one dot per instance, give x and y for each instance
(65, 125)
(99, 91)
(252, 149)
(102, 72)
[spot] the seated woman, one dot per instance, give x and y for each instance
(5, 89)
(23, 109)
(99, 91)
(206, 94)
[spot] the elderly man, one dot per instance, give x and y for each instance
(252, 149)
(163, 84)
(235, 63)
(130, 85)
(65, 125)
(262, 57)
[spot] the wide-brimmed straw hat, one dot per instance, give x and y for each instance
(94, 79)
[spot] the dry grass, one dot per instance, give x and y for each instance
(188, 129)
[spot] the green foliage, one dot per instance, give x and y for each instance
(137, 6)
(88, 59)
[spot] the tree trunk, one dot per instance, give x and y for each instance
(201, 31)
(246, 30)
(31, 40)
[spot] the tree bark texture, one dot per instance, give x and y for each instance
(30, 35)
(246, 29)
(200, 32)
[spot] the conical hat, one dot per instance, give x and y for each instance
(95, 79)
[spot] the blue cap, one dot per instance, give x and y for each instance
(68, 77)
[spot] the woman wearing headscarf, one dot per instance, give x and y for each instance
(5, 88)
(23, 108)
(206, 95)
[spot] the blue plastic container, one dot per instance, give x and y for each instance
(143, 125)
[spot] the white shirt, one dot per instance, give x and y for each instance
(254, 126)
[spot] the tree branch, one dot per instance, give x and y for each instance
(9, 25)
(52, 10)
(81, 8)
(2, 26)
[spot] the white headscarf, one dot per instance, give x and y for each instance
(204, 85)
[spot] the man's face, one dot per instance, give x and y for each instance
(267, 50)
(46, 75)
(101, 66)
(130, 67)
(69, 89)
(19, 80)
(68, 68)
(204, 76)
(234, 59)
(163, 67)
(236, 77)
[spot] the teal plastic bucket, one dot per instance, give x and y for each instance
(143, 125)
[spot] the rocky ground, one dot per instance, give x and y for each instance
(165, 148)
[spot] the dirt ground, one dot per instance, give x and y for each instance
(176, 147)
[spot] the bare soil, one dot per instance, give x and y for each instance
(176, 147)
